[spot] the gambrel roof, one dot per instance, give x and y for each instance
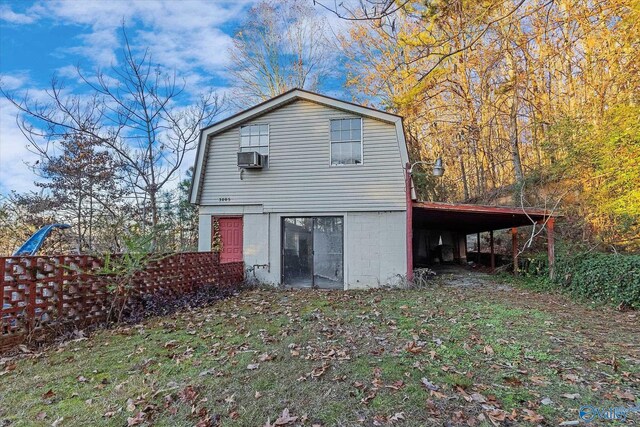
(275, 103)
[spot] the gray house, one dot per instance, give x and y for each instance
(311, 191)
(307, 190)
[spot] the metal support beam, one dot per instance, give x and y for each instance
(550, 248)
(478, 248)
(493, 256)
(465, 248)
(514, 248)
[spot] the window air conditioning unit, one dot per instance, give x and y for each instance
(250, 160)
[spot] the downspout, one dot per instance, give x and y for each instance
(409, 223)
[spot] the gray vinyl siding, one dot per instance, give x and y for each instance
(299, 177)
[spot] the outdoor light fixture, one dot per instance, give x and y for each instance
(438, 167)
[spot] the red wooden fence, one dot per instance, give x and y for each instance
(45, 293)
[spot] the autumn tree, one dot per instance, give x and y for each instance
(512, 94)
(280, 46)
(418, 63)
(81, 178)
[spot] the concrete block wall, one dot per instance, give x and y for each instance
(375, 248)
(204, 233)
(374, 244)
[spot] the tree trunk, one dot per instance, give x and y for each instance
(79, 219)
(154, 219)
(90, 243)
(463, 173)
(513, 139)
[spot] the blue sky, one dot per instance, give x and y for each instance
(42, 38)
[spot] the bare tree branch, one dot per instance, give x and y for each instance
(134, 110)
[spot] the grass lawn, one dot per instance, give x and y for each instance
(478, 355)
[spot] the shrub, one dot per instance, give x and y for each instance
(602, 277)
(534, 265)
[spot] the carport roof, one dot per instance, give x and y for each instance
(474, 218)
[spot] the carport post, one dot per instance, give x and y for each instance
(550, 248)
(514, 248)
(409, 223)
(478, 237)
(493, 256)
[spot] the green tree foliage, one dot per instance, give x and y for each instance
(178, 227)
(601, 163)
(82, 184)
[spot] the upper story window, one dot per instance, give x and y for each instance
(255, 138)
(346, 141)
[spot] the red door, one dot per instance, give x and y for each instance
(231, 236)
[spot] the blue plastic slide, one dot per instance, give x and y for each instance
(31, 246)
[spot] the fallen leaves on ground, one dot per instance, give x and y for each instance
(284, 419)
(429, 385)
(458, 357)
(624, 395)
(532, 416)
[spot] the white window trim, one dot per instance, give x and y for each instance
(268, 137)
(361, 143)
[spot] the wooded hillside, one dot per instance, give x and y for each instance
(535, 99)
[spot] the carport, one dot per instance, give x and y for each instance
(460, 220)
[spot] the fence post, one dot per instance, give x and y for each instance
(493, 254)
(3, 266)
(31, 302)
(60, 282)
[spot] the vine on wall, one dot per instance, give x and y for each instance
(216, 238)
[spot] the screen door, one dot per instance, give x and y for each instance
(312, 252)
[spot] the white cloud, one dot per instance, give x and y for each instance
(15, 155)
(14, 81)
(67, 72)
(8, 15)
(205, 49)
(14, 173)
(179, 34)
(99, 46)
(98, 14)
